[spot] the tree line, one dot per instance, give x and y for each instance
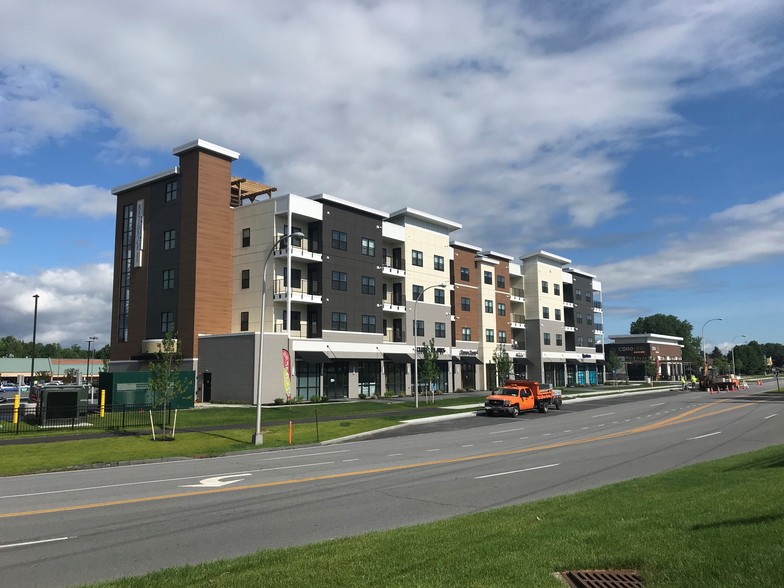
(13, 347)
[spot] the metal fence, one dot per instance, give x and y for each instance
(30, 419)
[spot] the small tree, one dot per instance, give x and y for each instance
(429, 365)
(71, 374)
(503, 364)
(650, 369)
(613, 362)
(164, 379)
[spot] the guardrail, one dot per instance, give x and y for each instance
(27, 418)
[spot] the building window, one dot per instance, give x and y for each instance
(419, 328)
(368, 323)
(558, 314)
(368, 247)
(557, 289)
(439, 295)
(244, 320)
(489, 336)
(578, 317)
(438, 262)
(465, 303)
(368, 285)
(558, 339)
(125, 272)
(545, 312)
(578, 294)
(246, 237)
(339, 281)
(489, 278)
(416, 258)
(245, 279)
(590, 341)
(466, 333)
(295, 321)
(169, 239)
(502, 337)
(547, 338)
(416, 292)
(440, 330)
(501, 309)
(339, 240)
(545, 287)
(339, 321)
(167, 322)
(171, 191)
(580, 341)
(588, 296)
(168, 279)
(500, 281)
(465, 275)
(489, 306)
(589, 319)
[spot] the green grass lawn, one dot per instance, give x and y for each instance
(715, 524)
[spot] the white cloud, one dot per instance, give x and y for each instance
(742, 234)
(73, 304)
(59, 200)
(5, 236)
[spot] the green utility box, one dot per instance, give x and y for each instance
(63, 403)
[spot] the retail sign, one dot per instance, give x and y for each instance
(138, 242)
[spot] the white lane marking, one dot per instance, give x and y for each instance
(703, 436)
(658, 404)
(35, 542)
(217, 481)
(348, 460)
(596, 416)
(469, 445)
(506, 431)
(585, 428)
(429, 450)
(521, 438)
(394, 455)
(546, 434)
(568, 431)
(601, 425)
(499, 441)
(552, 465)
(305, 455)
(770, 416)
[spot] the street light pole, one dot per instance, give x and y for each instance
(734, 373)
(89, 342)
(258, 438)
(416, 351)
(702, 341)
(35, 326)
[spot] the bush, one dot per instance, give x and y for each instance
(279, 401)
(361, 395)
(389, 394)
(324, 398)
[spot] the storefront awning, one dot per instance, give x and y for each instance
(469, 359)
(572, 361)
(311, 356)
(398, 357)
(522, 360)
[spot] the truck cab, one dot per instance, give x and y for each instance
(516, 396)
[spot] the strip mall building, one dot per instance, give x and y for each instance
(348, 294)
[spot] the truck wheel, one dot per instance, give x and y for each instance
(543, 407)
(558, 406)
(515, 412)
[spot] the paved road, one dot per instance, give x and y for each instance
(65, 528)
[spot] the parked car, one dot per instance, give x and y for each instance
(7, 391)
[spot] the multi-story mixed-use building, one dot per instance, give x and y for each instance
(347, 290)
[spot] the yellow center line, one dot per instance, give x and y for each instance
(685, 417)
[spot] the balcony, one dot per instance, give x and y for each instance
(392, 266)
(302, 248)
(517, 295)
(598, 328)
(517, 321)
(307, 291)
(395, 336)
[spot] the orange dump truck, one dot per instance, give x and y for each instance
(515, 396)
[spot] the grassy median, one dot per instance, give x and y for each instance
(715, 524)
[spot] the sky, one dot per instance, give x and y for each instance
(643, 140)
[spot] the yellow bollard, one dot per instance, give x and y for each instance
(16, 408)
(103, 401)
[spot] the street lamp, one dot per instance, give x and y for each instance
(89, 342)
(35, 326)
(416, 352)
(258, 438)
(702, 341)
(733, 352)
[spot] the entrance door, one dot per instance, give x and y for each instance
(336, 379)
(206, 393)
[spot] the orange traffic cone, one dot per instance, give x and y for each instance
(759, 382)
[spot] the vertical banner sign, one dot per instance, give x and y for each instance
(138, 243)
(287, 373)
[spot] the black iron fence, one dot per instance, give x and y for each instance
(32, 419)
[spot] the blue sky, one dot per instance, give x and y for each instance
(643, 139)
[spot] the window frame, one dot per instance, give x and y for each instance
(339, 281)
(339, 240)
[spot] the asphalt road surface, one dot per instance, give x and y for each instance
(67, 528)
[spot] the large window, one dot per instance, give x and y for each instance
(339, 321)
(547, 338)
(580, 341)
(296, 321)
(368, 323)
(245, 279)
(588, 296)
(578, 294)
(440, 330)
(545, 312)
(501, 309)
(557, 289)
(466, 333)
(489, 278)
(170, 239)
(588, 318)
(502, 336)
(168, 279)
(500, 281)
(171, 191)
(439, 295)
(244, 320)
(167, 322)
(558, 339)
(545, 287)
(416, 292)
(368, 247)
(125, 272)
(246, 237)
(417, 258)
(339, 281)
(368, 285)
(465, 303)
(578, 317)
(558, 314)
(489, 336)
(419, 328)
(465, 275)
(339, 240)
(489, 306)
(438, 262)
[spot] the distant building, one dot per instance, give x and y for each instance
(635, 351)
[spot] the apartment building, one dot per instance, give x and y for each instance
(348, 291)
